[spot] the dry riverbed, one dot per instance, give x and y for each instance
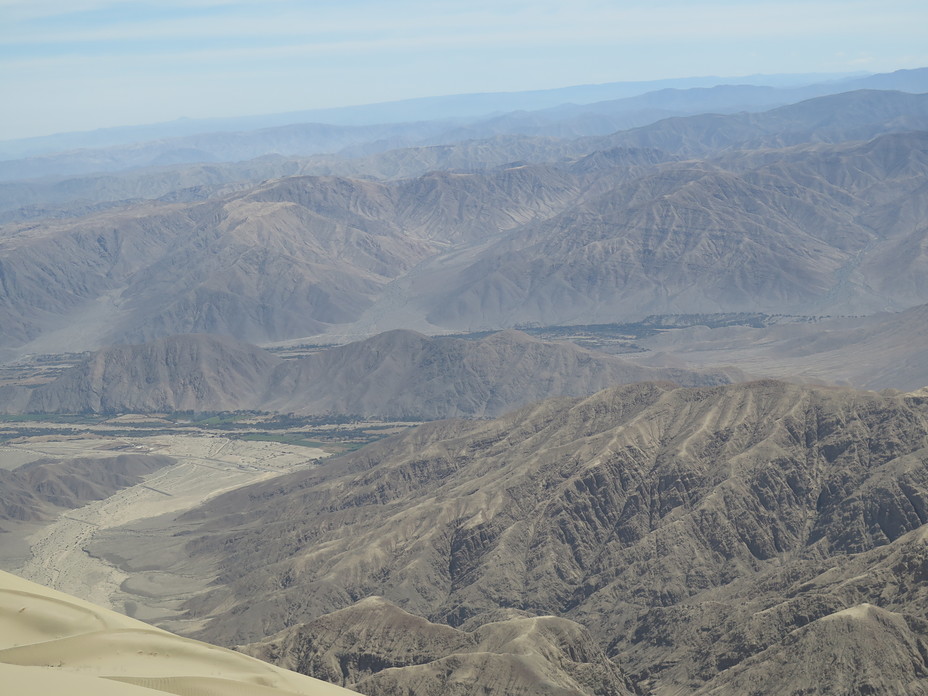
(207, 465)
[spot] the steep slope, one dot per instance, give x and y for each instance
(859, 650)
(376, 648)
(253, 265)
(400, 373)
(179, 373)
(689, 530)
(279, 260)
(54, 643)
(56, 269)
(811, 231)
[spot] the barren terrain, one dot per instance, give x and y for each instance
(206, 466)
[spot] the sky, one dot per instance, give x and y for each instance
(83, 64)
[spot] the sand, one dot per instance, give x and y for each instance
(53, 643)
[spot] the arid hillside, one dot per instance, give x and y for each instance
(395, 374)
(700, 536)
(815, 208)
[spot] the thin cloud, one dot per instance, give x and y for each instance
(217, 52)
(524, 23)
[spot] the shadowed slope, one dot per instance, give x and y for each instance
(39, 489)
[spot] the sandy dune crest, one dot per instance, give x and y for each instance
(51, 642)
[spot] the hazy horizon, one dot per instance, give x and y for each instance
(103, 63)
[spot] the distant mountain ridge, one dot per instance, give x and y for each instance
(397, 374)
(483, 147)
(452, 106)
(607, 235)
(453, 119)
(857, 115)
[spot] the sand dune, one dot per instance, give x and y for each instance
(51, 642)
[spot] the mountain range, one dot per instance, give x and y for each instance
(398, 374)
(612, 235)
(648, 514)
(703, 538)
(569, 112)
(205, 164)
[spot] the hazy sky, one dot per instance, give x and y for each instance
(82, 64)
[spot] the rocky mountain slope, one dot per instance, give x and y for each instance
(408, 374)
(704, 537)
(178, 373)
(283, 259)
(397, 374)
(814, 231)
(376, 648)
(610, 236)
